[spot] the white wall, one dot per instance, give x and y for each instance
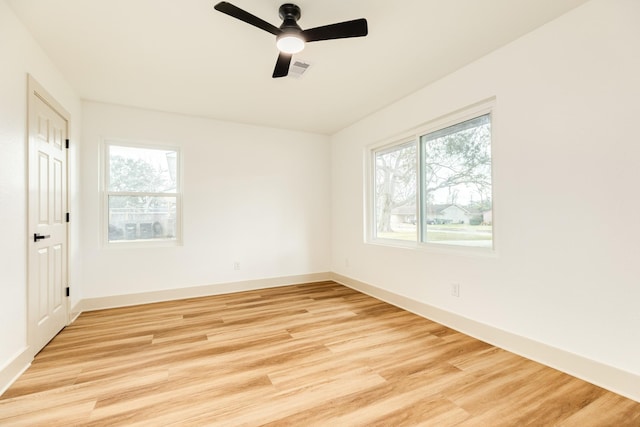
(255, 195)
(566, 175)
(21, 55)
(566, 170)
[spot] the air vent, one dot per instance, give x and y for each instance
(298, 68)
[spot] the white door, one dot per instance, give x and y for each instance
(48, 128)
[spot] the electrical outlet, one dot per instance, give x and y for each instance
(346, 262)
(455, 290)
(236, 265)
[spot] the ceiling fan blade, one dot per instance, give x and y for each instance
(282, 65)
(236, 12)
(341, 30)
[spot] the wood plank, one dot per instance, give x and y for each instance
(310, 354)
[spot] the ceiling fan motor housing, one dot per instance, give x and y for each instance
(289, 12)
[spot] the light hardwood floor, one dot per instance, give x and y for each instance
(313, 354)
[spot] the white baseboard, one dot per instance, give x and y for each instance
(74, 312)
(100, 303)
(611, 378)
(12, 370)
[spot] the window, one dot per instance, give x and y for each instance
(436, 187)
(395, 192)
(142, 195)
(456, 184)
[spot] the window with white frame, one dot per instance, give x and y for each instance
(142, 196)
(436, 186)
(395, 192)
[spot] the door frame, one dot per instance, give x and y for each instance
(35, 89)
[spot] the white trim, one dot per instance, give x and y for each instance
(10, 372)
(480, 108)
(609, 377)
(100, 303)
(74, 312)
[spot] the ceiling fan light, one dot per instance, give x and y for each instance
(289, 43)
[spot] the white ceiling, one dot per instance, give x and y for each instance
(183, 56)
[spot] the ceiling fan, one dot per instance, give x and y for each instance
(290, 38)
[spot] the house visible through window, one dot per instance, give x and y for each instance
(143, 193)
(436, 188)
(456, 184)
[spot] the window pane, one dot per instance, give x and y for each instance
(456, 206)
(144, 217)
(395, 193)
(133, 169)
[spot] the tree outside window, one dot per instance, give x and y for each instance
(395, 188)
(456, 167)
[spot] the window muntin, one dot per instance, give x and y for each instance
(450, 202)
(143, 193)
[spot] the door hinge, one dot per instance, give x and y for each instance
(68, 291)
(68, 217)
(66, 143)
